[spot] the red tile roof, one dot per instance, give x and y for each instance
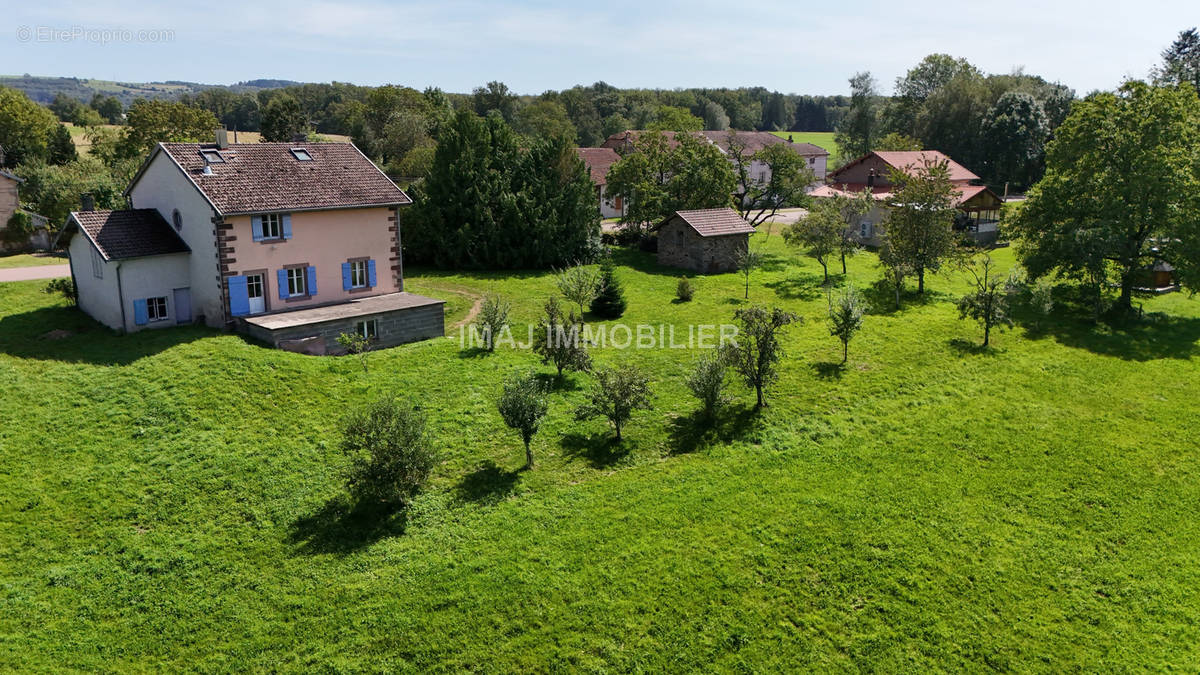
(129, 233)
(883, 193)
(907, 160)
(258, 177)
(714, 222)
(598, 162)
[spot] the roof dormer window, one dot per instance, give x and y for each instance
(212, 157)
(301, 154)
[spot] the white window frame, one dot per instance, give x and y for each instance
(259, 281)
(272, 226)
(297, 278)
(368, 328)
(358, 274)
(156, 309)
(97, 264)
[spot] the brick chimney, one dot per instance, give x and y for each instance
(87, 202)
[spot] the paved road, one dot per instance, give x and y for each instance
(38, 272)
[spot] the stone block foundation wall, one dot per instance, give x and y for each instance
(395, 327)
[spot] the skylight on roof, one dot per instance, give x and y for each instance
(302, 154)
(212, 157)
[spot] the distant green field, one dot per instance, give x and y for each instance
(823, 139)
(10, 260)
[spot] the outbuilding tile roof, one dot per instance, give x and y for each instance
(262, 177)
(715, 222)
(129, 233)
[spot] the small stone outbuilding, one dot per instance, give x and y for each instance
(707, 241)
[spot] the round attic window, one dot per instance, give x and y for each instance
(177, 219)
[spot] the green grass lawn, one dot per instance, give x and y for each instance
(822, 139)
(10, 260)
(173, 499)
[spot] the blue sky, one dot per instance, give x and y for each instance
(534, 45)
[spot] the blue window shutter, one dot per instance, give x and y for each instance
(256, 228)
(140, 316)
(239, 296)
(287, 226)
(283, 287)
(371, 273)
(311, 278)
(346, 284)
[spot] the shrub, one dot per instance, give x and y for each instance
(64, 287)
(1042, 299)
(684, 290)
(707, 383)
(357, 344)
(617, 393)
(523, 404)
(609, 303)
(578, 284)
(493, 318)
(16, 232)
(390, 452)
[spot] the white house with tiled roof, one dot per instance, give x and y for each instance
(292, 243)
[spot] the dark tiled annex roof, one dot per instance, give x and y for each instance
(715, 222)
(258, 177)
(598, 162)
(130, 233)
(908, 160)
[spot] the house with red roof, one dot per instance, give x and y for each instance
(291, 243)
(598, 161)
(979, 207)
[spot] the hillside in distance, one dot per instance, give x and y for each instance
(43, 89)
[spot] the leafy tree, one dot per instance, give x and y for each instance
(357, 344)
(53, 191)
(62, 148)
(747, 260)
(707, 383)
(282, 119)
(859, 129)
(494, 96)
(755, 354)
(898, 141)
(390, 452)
(609, 302)
(657, 179)
(917, 86)
(920, 224)
(108, 107)
(493, 318)
(819, 233)
(616, 395)
(525, 208)
(951, 118)
(579, 284)
(70, 109)
(1042, 299)
(896, 268)
(988, 300)
(1121, 181)
(1019, 128)
(715, 118)
(782, 179)
(26, 128)
(851, 209)
(846, 317)
(1181, 61)
(523, 405)
(671, 118)
(560, 340)
(544, 118)
(151, 122)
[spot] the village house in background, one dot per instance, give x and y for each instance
(816, 157)
(978, 207)
(707, 241)
(10, 204)
(291, 243)
(598, 161)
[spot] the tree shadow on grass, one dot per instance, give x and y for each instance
(881, 298)
(971, 348)
(85, 340)
(343, 526)
(552, 382)
(1132, 338)
(694, 432)
(829, 370)
(600, 450)
(487, 484)
(801, 286)
(473, 353)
